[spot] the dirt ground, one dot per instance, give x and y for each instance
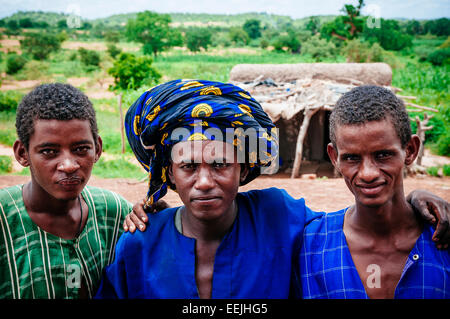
(328, 194)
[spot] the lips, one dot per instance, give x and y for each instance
(206, 200)
(70, 183)
(370, 189)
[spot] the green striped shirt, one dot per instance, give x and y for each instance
(37, 264)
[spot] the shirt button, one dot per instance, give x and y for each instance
(415, 257)
(76, 246)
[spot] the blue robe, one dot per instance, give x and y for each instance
(254, 259)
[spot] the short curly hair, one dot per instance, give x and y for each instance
(369, 103)
(54, 101)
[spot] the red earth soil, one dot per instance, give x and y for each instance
(320, 194)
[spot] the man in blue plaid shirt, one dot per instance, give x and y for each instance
(373, 249)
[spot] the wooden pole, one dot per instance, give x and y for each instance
(122, 134)
(307, 115)
(421, 129)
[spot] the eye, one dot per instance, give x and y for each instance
(350, 158)
(382, 155)
(82, 149)
(188, 166)
(219, 165)
(48, 152)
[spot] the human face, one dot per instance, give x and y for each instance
(206, 177)
(60, 155)
(371, 158)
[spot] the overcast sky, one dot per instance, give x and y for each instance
(91, 9)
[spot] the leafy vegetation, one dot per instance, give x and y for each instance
(207, 46)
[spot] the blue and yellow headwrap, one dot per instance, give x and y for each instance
(197, 106)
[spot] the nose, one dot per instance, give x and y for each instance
(205, 180)
(68, 165)
(368, 171)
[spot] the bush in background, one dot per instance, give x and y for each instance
(89, 57)
(319, 48)
(9, 101)
(440, 56)
(40, 45)
(15, 63)
(5, 164)
(131, 72)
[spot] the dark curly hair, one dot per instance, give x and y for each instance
(370, 103)
(55, 101)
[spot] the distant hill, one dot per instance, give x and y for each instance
(185, 19)
(51, 18)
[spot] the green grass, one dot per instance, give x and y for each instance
(7, 128)
(5, 164)
(116, 168)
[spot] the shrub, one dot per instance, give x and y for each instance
(319, 48)
(446, 170)
(131, 72)
(9, 101)
(89, 57)
(15, 63)
(40, 45)
(440, 56)
(433, 171)
(238, 36)
(5, 164)
(113, 51)
(197, 38)
(389, 35)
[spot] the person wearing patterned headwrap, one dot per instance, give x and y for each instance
(199, 107)
(221, 243)
(204, 139)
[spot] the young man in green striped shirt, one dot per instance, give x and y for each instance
(57, 234)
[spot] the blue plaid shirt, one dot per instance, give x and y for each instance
(327, 268)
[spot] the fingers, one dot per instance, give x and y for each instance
(137, 221)
(128, 225)
(138, 210)
(424, 211)
(442, 234)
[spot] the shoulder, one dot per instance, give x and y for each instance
(9, 196)
(106, 200)
(324, 226)
(159, 225)
(266, 196)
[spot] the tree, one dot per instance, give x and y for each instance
(131, 72)
(253, 28)
(345, 27)
(197, 38)
(15, 63)
(319, 48)
(25, 23)
(439, 27)
(40, 45)
(313, 25)
(89, 57)
(238, 36)
(413, 27)
(389, 36)
(153, 31)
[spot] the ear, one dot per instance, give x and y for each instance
(21, 153)
(98, 148)
(333, 154)
(169, 173)
(412, 149)
(244, 172)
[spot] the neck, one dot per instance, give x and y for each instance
(389, 219)
(208, 230)
(37, 200)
